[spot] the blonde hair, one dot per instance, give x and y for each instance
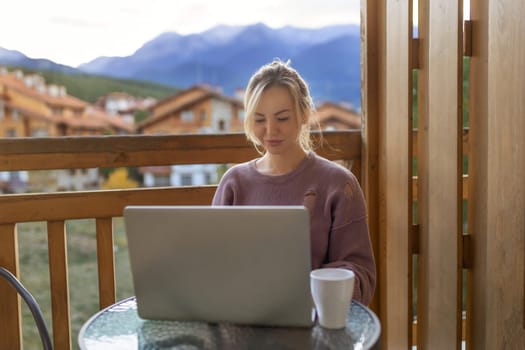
(279, 73)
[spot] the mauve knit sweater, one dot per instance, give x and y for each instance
(338, 219)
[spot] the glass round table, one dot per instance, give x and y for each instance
(119, 327)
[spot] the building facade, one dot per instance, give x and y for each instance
(31, 108)
(199, 109)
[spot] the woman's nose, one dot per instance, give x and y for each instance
(272, 127)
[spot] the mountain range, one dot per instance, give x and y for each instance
(226, 56)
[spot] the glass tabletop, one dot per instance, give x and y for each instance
(120, 327)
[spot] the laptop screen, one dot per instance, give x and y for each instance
(239, 264)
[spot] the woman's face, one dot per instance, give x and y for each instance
(275, 121)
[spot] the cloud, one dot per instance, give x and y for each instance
(119, 27)
(72, 22)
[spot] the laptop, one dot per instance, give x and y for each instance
(237, 264)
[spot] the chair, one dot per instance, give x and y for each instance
(32, 304)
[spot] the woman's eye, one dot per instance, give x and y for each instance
(258, 121)
(283, 119)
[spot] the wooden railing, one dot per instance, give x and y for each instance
(103, 206)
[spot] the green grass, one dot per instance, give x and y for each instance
(82, 265)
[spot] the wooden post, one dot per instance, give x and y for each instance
(106, 262)
(59, 284)
(496, 182)
(370, 22)
(440, 82)
(11, 329)
(387, 159)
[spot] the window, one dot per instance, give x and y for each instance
(58, 110)
(207, 178)
(222, 125)
(15, 114)
(39, 132)
(241, 114)
(10, 132)
(186, 180)
(186, 116)
(2, 110)
(161, 180)
(203, 115)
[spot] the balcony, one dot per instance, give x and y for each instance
(56, 209)
(484, 265)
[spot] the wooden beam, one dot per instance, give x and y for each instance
(440, 82)
(81, 205)
(142, 150)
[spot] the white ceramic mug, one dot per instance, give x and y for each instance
(332, 290)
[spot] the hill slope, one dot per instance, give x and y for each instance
(89, 87)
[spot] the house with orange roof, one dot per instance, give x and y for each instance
(124, 105)
(198, 109)
(31, 108)
(336, 116)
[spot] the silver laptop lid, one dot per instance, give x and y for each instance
(241, 264)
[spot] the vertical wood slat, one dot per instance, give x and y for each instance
(439, 174)
(106, 262)
(386, 56)
(395, 171)
(10, 307)
(461, 242)
(468, 40)
(496, 185)
(370, 21)
(58, 270)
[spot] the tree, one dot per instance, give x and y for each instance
(118, 179)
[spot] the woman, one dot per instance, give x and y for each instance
(278, 108)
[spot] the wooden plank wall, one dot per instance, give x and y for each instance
(497, 165)
(388, 56)
(496, 190)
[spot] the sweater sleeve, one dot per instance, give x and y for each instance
(349, 243)
(224, 194)
(350, 249)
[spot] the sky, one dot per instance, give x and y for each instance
(73, 32)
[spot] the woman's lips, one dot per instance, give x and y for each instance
(273, 143)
